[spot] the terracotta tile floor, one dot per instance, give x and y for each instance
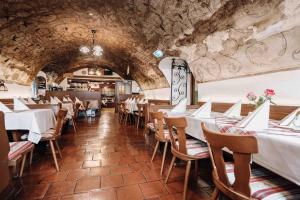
(107, 161)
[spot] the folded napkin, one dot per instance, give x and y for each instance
(77, 100)
(65, 99)
(69, 99)
(53, 101)
(204, 111)
(57, 100)
(23, 100)
(258, 119)
(80, 102)
(19, 105)
(127, 100)
(141, 101)
(235, 110)
(30, 101)
(290, 118)
(4, 108)
(180, 107)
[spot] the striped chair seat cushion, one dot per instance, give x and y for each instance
(49, 134)
(151, 126)
(196, 148)
(18, 148)
(266, 185)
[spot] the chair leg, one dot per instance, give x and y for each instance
(54, 154)
(155, 150)
(196, 168)
(58, 149)
(31, 155)
(164, 158)
(215, 194)
(85, 115)
(74, 125)
(186, 179)
(126, 118)
(23, 164)
(137, 123)
(146, 135)
(170, 168)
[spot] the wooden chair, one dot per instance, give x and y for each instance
(122, 112)
(236, 180)
(76, 110)
(139, 114)
(161, 135)
(86, 107)
(4, 150)
(18, 150)
(185, 149)
(53, 134)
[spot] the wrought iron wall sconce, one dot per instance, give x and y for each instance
(179, 80)
(3, 87)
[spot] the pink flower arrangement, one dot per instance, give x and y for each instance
(251, 96)
(268, 94)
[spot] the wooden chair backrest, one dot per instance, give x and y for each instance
(76, 110)
(61, 115)
(179, 142)
(158, 118)
(4, 150)
(87, 103)
(140, 109)
(242, 147)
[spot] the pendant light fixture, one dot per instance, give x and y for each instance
(95, 50)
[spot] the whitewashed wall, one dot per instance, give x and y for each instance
(286, 85)
(15, 90)
(162, 93)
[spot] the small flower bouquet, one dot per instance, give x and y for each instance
(268, 95)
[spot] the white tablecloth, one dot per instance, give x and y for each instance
(131, 107)
(37, 121)
(94, 104)
(278, 153)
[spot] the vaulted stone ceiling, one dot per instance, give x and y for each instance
(220, 39)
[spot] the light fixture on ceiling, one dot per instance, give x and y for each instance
(95, 50)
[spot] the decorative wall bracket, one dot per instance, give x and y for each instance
(3, 87)
(179, 80)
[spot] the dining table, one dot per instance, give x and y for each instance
(36, 121)
(278, 147)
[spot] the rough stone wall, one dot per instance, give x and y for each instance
(219, 38)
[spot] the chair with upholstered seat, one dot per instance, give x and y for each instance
(236, 179)
(17, 150)
(161, 135)
(53, 134)
(185, 149)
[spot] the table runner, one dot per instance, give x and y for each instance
(227, 125)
